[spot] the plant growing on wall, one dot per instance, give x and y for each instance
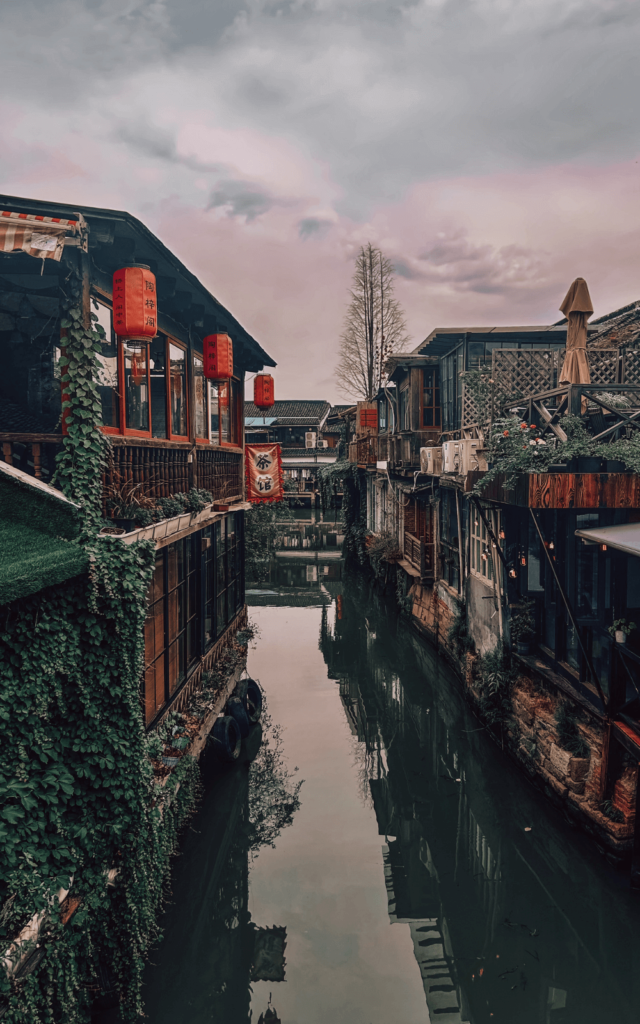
(567, 729)
(83, 457)
(458, 635)
(496, 676)
(514, 447)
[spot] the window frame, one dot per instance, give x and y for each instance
(206, 556)
(236, 410)
(170, 340)
(436, 408)
(125, 430)
(207, 417)
(101, 300)
(478, 538)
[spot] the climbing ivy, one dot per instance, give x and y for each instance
(80, 807)
(83, 457)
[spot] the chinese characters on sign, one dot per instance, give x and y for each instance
(264, 472)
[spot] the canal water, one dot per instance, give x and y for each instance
(378, 860)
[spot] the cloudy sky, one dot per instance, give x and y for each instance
(489, 147)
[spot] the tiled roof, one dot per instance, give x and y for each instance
(289, 411)
(337, 410)
(621, 327)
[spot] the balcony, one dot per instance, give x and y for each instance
(364, 451)
(518, 376)
(420, 555)
(162, 467)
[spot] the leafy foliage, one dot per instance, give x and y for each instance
(383, 551)
(568, 735)
(458, 636)
(79, 805)
(496, 678)
(263, 525)
(84, 449)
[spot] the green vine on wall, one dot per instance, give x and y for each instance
(78, 797)
(80, 464)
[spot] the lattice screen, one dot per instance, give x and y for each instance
(470, 414)
(524, 372)
(603, 365)
(631, 366)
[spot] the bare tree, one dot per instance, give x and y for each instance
(374, 326)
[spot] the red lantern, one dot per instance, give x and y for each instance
(217, 350)
(135, 305)
(263, 391)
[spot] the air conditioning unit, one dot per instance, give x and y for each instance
(431, 460)
(451, 457)
(323, 444)
(310, 439)
(471, 456)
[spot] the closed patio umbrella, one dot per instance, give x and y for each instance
(577, 307)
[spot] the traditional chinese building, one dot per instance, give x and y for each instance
(541, 565)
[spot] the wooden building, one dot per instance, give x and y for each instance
(552, 552)
(171, 429)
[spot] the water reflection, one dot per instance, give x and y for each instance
(512, 917)
(212, 951)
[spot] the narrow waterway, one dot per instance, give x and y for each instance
(381, 861)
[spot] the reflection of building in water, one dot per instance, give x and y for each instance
(507, 926)
(214, 948)
(297, 579)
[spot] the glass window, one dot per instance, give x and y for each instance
(586, 569)
(431, 397)
(158, 379)
(154, 644)
(178, 367)
(476, 355)
(181, 608)
(382, 415)
(449, 539)
(136, 385)
(200, 389)
(224, 394)
(482, 554)
(108, 369)
(404, 409)
(226, 408)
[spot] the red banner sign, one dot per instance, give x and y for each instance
(263, 465)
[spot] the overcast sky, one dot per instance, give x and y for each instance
(489, 147)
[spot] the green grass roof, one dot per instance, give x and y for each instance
(38, 536)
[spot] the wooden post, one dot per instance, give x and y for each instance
(7, 451)
(37, 466)
(635, 856)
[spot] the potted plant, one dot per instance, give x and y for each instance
(620, 629)
(523, 628)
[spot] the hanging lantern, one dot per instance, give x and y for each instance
(135, 305)
(217, 351)
(502, 534)
(263, 395)
(523, 560)
(512, 574)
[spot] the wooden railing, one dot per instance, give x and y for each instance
(34, 454)
(364, 451)
(166, 468)
(420, 554)
(162, 468)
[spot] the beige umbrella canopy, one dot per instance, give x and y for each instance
(577, 307)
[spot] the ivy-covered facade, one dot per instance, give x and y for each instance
(122, 597)
(501, 505)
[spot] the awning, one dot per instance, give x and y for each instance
(38, 236)
(623, 538)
